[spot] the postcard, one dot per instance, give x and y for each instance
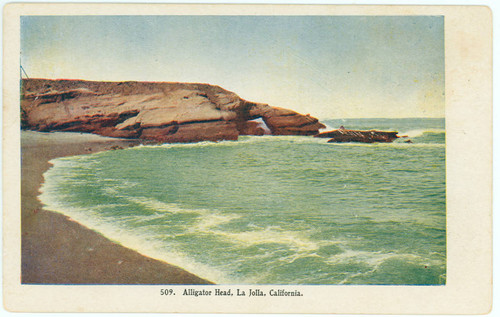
(247, 158)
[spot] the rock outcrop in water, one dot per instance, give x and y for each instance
(163, 112)
(372, 136)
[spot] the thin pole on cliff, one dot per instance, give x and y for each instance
(23, 71)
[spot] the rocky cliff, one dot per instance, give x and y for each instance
(163, 112)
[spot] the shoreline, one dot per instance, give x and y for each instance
(56, 249)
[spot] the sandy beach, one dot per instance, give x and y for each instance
(58, 250)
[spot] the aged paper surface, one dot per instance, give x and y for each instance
(468, 111)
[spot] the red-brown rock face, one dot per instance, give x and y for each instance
(163, 112)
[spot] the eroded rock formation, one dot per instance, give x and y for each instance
(163, 112)
(371, 136)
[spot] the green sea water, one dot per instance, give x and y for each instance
(272, 209)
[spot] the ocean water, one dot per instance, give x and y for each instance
(272, 209)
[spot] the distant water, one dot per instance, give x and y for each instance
(272, 209)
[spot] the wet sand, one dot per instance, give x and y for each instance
(58, 250)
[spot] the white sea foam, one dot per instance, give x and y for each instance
(295, 139)
(420, 132)
(212, 220)
(121, 184)
(155, 205)
(293, 239)
(49, 187)
(327, 128)
(381, 258)
(68, 162)
(262, 125)
(241, 141)
(375, 260)
(189, 145)
(299, 255)
(390, 145)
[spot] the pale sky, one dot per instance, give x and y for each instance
(328, 66)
